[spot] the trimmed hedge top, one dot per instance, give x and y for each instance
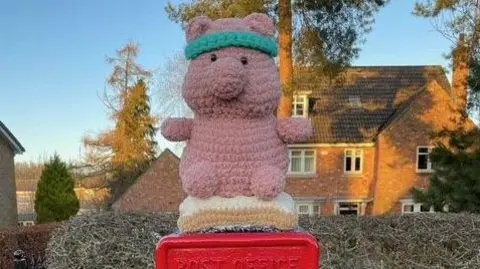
(114, 240)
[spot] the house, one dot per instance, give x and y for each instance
(156, 190)
(371, 138)
(9, 147)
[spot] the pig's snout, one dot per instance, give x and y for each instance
(227, 78)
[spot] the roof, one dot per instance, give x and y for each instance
(383, 92)
(13, 142)
(166, 156)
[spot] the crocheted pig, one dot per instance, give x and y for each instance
(235, 144)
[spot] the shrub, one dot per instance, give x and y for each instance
(109, 240)
(55, 198)
(114, 240)
(409, 241)
(32, 240)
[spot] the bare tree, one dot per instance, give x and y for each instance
(168, 84)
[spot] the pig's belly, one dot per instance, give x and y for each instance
(235, 151)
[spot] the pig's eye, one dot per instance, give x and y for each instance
(213, 57)
(244, 60)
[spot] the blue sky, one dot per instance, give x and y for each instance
(52, 60)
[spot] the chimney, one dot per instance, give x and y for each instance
(460, 73)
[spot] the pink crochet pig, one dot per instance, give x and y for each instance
(235, 144)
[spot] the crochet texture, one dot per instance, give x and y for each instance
(228, 39)
(236, 147)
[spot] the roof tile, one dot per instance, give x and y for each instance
(382, 91)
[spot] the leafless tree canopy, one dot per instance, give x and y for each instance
(452, 18)
(168, 84)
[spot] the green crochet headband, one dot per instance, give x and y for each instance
(220, 40)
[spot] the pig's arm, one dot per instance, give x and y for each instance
(294, 130)
(177, 129)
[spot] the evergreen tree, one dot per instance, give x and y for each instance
(456, 157)
(135, 130)
(327, 33)
(124, 152)
(55, 198)
(456, 181)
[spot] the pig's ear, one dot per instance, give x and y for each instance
(197, 27)
(260, 23)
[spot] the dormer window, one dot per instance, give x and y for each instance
(354, 101)
(300, 106)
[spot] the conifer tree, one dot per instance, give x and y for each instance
(55, 198)
(455, 184)
(125, 151)
(456, 157)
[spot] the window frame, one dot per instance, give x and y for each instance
(26, 223)
(310, 205)
(416, 207)
(355, 101)
(338, 208)
(429, 163)
(304, 104)
(353, 157)
(302, 162)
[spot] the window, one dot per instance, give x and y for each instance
(411, 207)
(348, 208)
(26, 223)
(354, 101)
(299, 106)
(353, 161)
(301, 161)
(308, 209)
(423, 162)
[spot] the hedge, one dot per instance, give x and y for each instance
(31, 239)
(108, 240)
(113, 240)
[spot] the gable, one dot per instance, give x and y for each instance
(431, 109)
(156, 190)
(11, 140)
(378, 91)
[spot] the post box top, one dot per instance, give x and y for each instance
(296, 250)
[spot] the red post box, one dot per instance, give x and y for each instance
(287, 250)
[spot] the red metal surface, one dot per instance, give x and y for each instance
(294, 250)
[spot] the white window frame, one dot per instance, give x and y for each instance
(354, 101)
(310, 206)
(27, 223)
(337, 207)
(295, 102)
(416, 207)
(429, 163)
(354, 156)
(302, 156)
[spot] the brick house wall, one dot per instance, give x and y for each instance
(330, 182)
(157, 190)
(397, 148)
(400, 106)
(8, 204)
